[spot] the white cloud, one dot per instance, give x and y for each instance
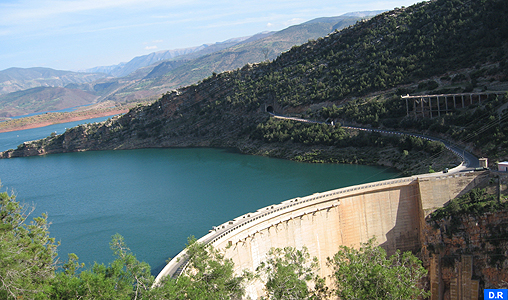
(150, 47)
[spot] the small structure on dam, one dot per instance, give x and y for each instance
(393, 211)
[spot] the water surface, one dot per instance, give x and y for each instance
(156, 198)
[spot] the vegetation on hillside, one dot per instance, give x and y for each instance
(389, 54)
(476, 202)
(276, 130)
(398, 47)
(334, 144)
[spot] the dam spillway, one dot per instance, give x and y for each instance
(392, 210)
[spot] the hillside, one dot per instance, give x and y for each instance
(368, 66)
(42, 99)
(17, 79)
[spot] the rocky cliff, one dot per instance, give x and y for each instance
(468, 252)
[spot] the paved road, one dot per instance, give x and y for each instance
(470, 161)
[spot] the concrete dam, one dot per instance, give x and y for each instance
(393, 211)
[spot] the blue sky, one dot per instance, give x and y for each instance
(80, 34)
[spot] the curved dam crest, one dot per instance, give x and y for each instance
(393, 211)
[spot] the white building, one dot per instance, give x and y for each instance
(502, 166)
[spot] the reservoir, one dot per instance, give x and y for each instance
(156, 198)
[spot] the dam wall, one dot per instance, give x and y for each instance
(392, 210)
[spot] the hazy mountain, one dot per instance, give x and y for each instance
(42, 99)
(16, 79)
(124, 69)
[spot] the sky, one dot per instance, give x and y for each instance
(79, 34)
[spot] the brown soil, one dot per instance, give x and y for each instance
(57, 119)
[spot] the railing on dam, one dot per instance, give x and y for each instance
(290, 205)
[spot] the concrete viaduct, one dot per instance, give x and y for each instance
(393, 211)
(429, 106)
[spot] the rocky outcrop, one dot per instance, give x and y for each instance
(452, 242)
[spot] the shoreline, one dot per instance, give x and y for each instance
(56, 120)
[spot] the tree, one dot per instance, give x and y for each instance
(124, 278)
(27, 253)
(133, 274)
(368, 274)
(291, 274)
(208, 275)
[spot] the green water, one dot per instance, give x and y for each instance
(156, 198)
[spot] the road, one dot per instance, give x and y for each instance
(470, 161)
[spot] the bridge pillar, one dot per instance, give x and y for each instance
(430, 107)
(423, 110)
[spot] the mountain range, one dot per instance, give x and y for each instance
(124, 69)
(149, 76)
(17, 79)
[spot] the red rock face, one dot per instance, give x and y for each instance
(483, 237)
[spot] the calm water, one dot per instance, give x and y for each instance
(156, 198)
(11, 140)
(50, 111)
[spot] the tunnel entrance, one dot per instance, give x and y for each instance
(269, 109)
